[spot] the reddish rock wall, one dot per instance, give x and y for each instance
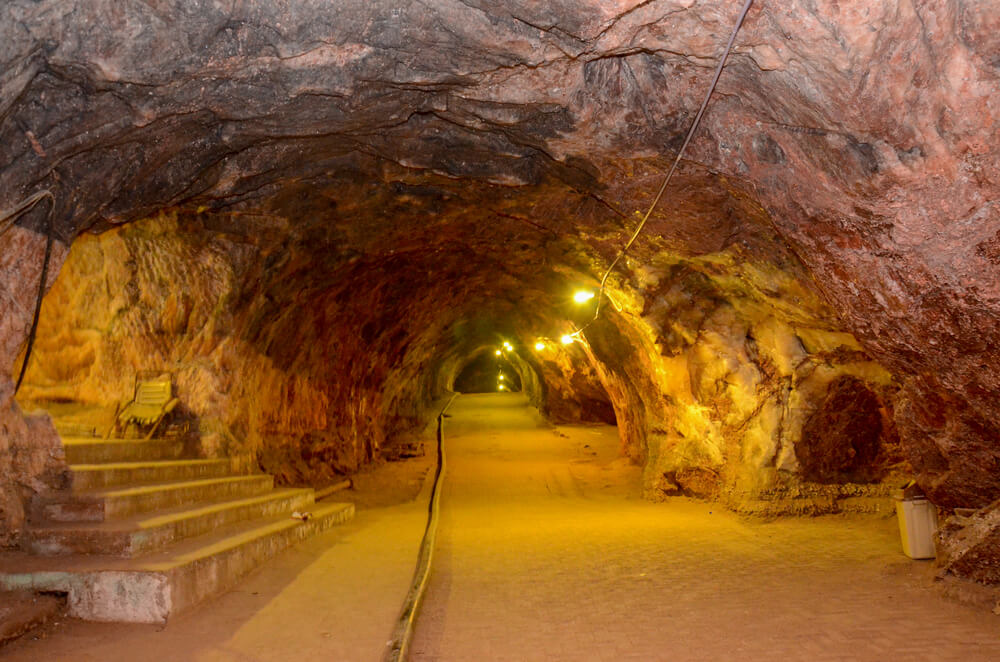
(715, 376)
(303, 397)
(31, 456)
(849, 437)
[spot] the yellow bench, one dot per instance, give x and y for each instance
(152, 402)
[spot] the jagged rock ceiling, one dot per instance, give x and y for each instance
(850, 147)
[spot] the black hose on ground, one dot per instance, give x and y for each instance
(399, 645)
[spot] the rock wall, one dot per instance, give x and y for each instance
(891, 109)
(738, 388)
(308, 362)
(31, 455)
(169, 295)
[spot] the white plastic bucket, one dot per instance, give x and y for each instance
(917, 524)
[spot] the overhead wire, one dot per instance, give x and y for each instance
(676, 162)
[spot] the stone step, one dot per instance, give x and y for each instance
(154, 588)
(70, 428)
(150, 532)
(87, 450)
(97, 476)
(119, 503)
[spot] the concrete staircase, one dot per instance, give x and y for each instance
(144, 533)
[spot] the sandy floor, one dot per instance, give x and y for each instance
(547, 553)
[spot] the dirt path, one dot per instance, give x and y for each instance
(546, 554)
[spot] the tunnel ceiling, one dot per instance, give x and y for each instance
(488, 156)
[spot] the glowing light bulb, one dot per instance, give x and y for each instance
(497, 352)
(501, 388)
(539, 345)
(508, 345)
(583, 296)
(566, 339)
(501, 378)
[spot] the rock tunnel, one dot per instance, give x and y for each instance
(316, 216)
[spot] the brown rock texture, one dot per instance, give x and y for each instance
(31, 461)
(23, 611)
(969, 546)
(301, 397)
(407, 182)
(31, 458)
(742, 355)
(843, 439)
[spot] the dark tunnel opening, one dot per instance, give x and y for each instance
(488, 373)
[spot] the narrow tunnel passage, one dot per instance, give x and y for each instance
(300, 224)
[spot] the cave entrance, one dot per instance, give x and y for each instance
(488, 373)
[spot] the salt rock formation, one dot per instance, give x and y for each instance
(442, 162)
(299, 356)
(969, 546)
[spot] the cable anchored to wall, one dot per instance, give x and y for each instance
(6, 222)
(8, 217)
(676, 163)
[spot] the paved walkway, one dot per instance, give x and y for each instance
(546, 553)
(544, 556)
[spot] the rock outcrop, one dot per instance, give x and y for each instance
(968, 545)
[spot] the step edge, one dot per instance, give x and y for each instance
(144, 525)
(158, 584)
(74, 440)
(142, 464)
(168, 486)
(243, 538)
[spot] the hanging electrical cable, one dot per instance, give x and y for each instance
(677, 159)
(6, 222)
(8, 217)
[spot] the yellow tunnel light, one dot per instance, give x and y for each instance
(501, 377)
(583, 296)
(501, 388)
(507, 345)
(539, 345)
(498, 352)
(567, 339)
